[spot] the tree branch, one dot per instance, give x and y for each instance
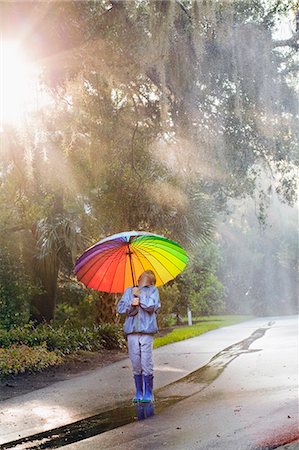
(184, 9)
(292, 42)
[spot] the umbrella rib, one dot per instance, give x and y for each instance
(97, 259)
(139, 261)
(124, 275)
(149, 262)
(112, 257)
(144, 250)
(146, 241)
(106, 246)
(112, 261)
(113, 278)
(98, 247)
(157, 250)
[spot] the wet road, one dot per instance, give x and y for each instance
(244, 397)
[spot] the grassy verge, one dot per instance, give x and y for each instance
(204, 324)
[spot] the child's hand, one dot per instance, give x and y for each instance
(136, 291)
(135, 301)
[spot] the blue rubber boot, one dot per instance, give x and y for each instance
(148, 389)
(139, 388)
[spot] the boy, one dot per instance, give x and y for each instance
(141, 304)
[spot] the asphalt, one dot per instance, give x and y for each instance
(109, 387)
(245, 398)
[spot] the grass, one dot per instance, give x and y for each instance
(206, 323)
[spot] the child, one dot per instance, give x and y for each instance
(141, 305)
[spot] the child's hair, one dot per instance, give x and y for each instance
(151, 276)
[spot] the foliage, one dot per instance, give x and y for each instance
(187, 86)
(169, 296)
(207, 103)
(198, 285)
(64, 339)
(71, 293)
(206, 324)
(15, 290)
(84, 314)
(208, 299)
(21, 358)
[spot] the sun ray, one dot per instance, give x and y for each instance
(18, 84)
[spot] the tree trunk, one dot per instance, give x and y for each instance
(43, 304)
(106, 309)
(46, 272)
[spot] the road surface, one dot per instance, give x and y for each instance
(244, 395)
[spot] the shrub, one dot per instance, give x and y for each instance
(15, 290)
(66, 339)
(78, 315)
(70, 293)
(169, 296)
(21, 358)
(199, 285)
(209, 299)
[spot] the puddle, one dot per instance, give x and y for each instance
(127, 413)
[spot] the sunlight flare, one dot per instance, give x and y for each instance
(18, 84)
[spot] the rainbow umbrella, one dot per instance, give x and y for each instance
(116, 262)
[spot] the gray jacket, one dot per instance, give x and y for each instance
(142, 318)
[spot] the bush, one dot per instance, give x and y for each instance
(208, 300)
(65, 339)
(199, 285)
(70, 293)
(82, 314)
(169, 296)
(21, 358)
(15, 290)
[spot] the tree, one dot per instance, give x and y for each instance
(223, 86)
(222, 93)
(162, 111)
(199, 286)
(33, 200)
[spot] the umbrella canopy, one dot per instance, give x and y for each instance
(116, 262)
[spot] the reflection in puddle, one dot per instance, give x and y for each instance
(127, 413)
(145, 410)
(85, 428)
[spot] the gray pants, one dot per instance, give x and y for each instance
(140, 348)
